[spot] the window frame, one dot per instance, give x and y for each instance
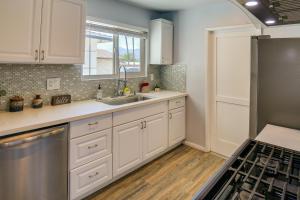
(145, 60)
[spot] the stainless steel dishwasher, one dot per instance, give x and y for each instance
(34, 165)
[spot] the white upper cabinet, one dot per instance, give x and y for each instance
(161, 47)
(63, 31)
(20, 30)
(42, 31)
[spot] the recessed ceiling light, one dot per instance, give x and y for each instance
(251, 3)
(270, 21)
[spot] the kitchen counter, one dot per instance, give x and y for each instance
(280, 136)
(30, 119)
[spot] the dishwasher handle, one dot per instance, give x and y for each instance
(21, 139)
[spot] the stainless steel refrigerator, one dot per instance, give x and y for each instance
(275, 83)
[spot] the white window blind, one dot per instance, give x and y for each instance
(99, 27)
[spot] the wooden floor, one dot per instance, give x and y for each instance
(176, 175)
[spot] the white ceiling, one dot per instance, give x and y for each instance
(167, 5)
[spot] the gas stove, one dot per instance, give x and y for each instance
(256, 171)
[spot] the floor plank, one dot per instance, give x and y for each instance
(177, 175)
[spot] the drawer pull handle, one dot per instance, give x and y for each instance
(43, 55)
(92, 176)
(92, 124)
(36, 54)
(170, 116)
(91, 147)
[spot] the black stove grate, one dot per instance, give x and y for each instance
(261, 171)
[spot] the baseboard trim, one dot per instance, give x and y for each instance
(196, 146)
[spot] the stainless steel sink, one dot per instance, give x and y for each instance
(124, 99)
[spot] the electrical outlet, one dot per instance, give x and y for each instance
(53, 84)
(152, 77)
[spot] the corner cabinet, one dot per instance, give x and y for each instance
(177, 124)
(42, 31)
(161, 42)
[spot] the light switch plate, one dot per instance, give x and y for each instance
(152, 77)
(53, 84)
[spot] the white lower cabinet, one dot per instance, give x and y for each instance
(176, 125)
(100, 153)
(137, 141)
(155, 135)
(127, 146)
(90, 177)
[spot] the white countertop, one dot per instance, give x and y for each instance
(280, 136)
(30, 119)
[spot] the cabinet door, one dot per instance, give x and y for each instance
(155, 135)
(167, 44)
(20, 30)
(63, 32)
(176, 126)
(127, 146)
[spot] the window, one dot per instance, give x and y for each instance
(110, 48)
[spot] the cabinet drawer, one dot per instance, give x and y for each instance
(134, 114)
(87, 178)
(90, 125)
(176, 103)
(90, 147)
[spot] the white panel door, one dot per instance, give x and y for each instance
(176, 126)
(231, 89)
(155, 135)
(63, 32)
(20, 23)
(127, 146)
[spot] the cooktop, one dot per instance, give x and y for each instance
(256, 171)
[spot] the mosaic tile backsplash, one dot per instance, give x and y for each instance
(29, 80)
(173, 77)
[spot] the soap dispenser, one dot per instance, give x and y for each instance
(99, 93)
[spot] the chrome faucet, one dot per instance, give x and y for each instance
(119, 91)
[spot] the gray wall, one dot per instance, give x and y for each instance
(119, 12)
(189, 49)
